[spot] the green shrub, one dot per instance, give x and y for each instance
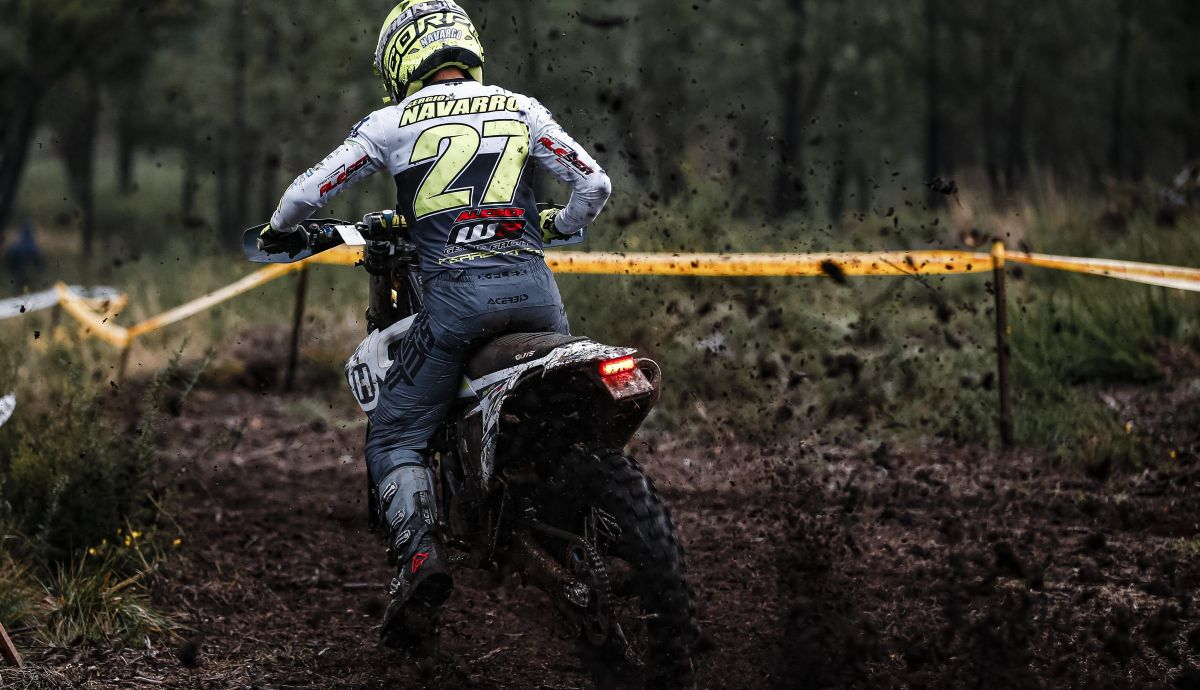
(75, 474)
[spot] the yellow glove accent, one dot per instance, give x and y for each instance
(549, 229)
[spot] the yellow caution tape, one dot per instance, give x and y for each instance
(183, 311)
(341, 255)
(1151, 274)
(95, 323)
(110, 306)
(929, 262)
(833, 264)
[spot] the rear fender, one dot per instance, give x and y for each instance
(479, 426)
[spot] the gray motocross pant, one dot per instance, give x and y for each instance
(461, 308)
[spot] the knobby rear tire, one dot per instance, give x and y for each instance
(615, 483)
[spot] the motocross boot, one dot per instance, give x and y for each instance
(422, 583)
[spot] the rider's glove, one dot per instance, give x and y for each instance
(274, 241)
(549, 229)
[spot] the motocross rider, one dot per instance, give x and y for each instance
(459, 151)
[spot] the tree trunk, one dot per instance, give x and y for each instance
(668, 96)
(789, 176)
(1014, 164)
(530, 66)
(530, 75)
(78, 150)
(241, 157)
(1116, 153)
(952, 96)
(989, 87)
(224, 215)
(840, 177)
(626, 105)
(124, 164)
(1141, 122)
(128, 107)
(933, 122)
(843, 90)
(16, 129)
(187, 195)
(1014, 66)
(1192, 135)
(269, 189)
(863, 183)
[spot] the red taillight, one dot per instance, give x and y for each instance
(619, 365)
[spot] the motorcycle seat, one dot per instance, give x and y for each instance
(513, 349)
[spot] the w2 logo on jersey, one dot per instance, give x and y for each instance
(467, 230)
(482, 232)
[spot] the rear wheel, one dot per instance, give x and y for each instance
(638, 632)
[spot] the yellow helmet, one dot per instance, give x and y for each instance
(418, 38)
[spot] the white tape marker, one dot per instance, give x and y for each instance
(7, 404)
(37, 301)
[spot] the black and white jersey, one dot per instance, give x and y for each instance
(459, 152)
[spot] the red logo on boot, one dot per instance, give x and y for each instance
(418, 560)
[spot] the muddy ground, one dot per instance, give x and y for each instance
(862, 567)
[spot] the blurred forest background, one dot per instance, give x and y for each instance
(192, 115)
(138, 139)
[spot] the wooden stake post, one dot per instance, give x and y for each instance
(8, 650)
(123, 362)
(1002, 349)
(297, 322)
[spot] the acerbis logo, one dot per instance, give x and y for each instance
(514, 299)
(505, 273)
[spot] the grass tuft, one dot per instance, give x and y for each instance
(18, 594)
(89, 602)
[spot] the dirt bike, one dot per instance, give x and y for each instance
(552, 498)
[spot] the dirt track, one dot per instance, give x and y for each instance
(861, 567)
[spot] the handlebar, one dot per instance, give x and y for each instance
(382, 235)
(374, 228)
